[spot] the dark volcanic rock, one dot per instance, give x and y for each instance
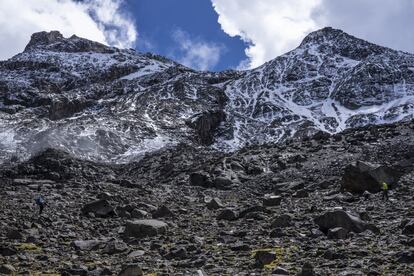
(86, 244)
(264, 257)
(339, 218)
(100, 208)
(227, 214)
(214, 204)
(206, 124)
(282, 221)
(200, 179)
(337, 233)
(144, 228)
(271, 200)
(131, 270)
(363, 176)
(409, 228)
(307, 270)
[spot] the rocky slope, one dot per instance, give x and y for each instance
(281, 209)
(106, 104)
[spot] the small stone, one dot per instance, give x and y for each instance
(277, 233)
(136, 253)
(176, 253)
(409, 228)
(115, 247)
(86, 245)
(239, 246)
(131, 270)
(222, 183)
(138, 214)
(282, 221)
(200, 179)
(5, 251)
(301, 194)
(338, 233)
(263, 258)
(406, 257)
(214, 204)
(104, 195)
(162, 212)
(280, 271)
(316, 233)
(307, 270)
(271, 200)
(227, 214)
(7, 269)
(14, 234)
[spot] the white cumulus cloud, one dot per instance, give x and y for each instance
(273, 27)
(385, 22)
(196, 53)
(100, 20)
(270, 27)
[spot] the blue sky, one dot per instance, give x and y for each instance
(159, 21)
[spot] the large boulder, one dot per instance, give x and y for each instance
(131, 270)
(100, 208)
(145, 228)
(7, 269)
(264, 257)
(222, 183)
(409, 228)
(340, 218)
(363, 176)
(201, 179)
(86, 245)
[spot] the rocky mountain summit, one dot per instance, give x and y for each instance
(105, 104)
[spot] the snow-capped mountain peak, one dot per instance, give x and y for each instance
(107, 104)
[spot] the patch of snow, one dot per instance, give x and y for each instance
(147, 70)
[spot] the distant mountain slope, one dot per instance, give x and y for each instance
(112, 105)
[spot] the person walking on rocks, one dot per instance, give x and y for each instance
(40, 201)
(384, 191)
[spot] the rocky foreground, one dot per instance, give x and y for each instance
(305, 207)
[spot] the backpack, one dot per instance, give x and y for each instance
(40, 200)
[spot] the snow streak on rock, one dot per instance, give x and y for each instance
(112, 105)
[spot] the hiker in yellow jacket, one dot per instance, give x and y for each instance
(384, 190)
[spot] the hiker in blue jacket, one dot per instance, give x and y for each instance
(40, 201)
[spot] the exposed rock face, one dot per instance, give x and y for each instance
(363, 176)
(331, 82)
(64, 107)
(55, 41)
(341, 219)
(409, 228)
(144, 228)
(206, 124)
(44, 38)
(100, 208)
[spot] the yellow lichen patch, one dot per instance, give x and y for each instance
(151, 274)
(282, 255)
(28, 247)
(254, 252)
